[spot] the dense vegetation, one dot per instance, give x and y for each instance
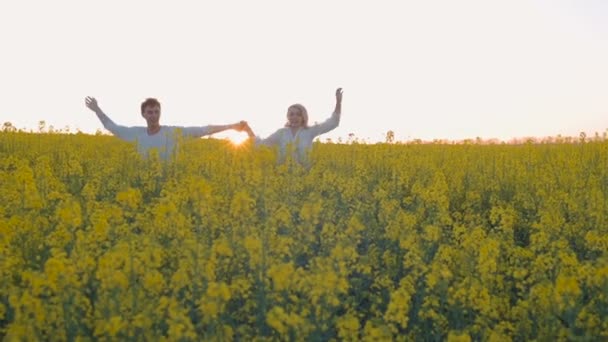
(385, 241)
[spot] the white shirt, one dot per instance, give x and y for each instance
(302, 140)
(163, 140)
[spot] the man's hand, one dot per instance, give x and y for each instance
(245, 128)
(240, 126)
(91, 103)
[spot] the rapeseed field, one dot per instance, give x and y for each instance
(371, 242)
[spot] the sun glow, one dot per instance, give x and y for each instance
(236, 138)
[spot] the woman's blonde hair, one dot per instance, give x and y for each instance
(303, 111)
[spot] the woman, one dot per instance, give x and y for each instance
(297, 131)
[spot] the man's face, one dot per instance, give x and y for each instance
(151, 114)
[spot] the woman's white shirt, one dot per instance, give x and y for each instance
(302, 140)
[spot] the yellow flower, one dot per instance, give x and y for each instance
(432, 233)
(253, 245)
(281, 275)
(567, 290)
(114, 326)
(398, 307)
(376, 332)
(129, 198)
(276, 318)
(454, 336)
(348, 327)
(222, 248)
(218, 290)
(154, 281)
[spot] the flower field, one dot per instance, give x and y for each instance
(456, 242)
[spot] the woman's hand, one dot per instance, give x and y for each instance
(338, 109)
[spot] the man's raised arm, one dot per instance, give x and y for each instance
(117, 130)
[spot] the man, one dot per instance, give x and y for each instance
(154, 135)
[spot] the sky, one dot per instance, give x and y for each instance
(423, 69)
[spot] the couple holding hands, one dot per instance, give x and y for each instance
(296, 131)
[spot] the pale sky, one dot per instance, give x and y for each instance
(424, 69)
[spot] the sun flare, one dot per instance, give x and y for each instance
(236, 138)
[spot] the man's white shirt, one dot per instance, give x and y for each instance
(163, 140)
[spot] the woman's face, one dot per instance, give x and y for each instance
(294, 116)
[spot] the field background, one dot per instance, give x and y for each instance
(374, 242)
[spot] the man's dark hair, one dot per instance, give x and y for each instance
(149, 102)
